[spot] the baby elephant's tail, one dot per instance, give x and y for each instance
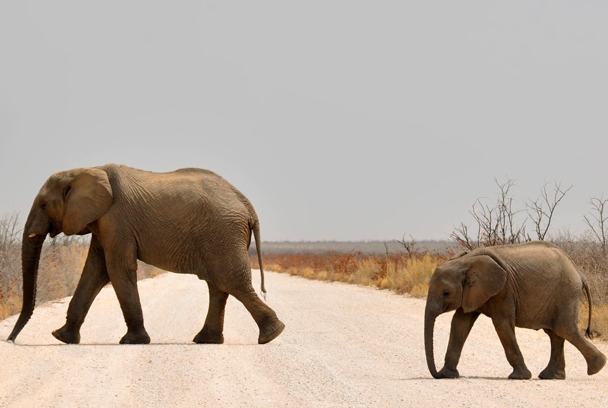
(588, 293)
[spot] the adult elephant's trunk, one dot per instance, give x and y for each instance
(34, 234)
(429, 327)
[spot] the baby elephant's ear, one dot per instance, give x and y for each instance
(483, 279)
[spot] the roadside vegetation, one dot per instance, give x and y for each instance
(406, 266)
(403, 266)
(61, 263)
(402, 272)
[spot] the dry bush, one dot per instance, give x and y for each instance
(420, 291)
(591, 259)
(498, 221)
(400, 272)
(60, 268)
(10, 264)
(366, 269)
(308, 273)
(61, 263)
(599, 319)
(415, 273)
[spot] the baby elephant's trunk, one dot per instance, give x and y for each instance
(429, 327)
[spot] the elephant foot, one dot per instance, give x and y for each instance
(67, 335)
(135, 337)
(596, 364)
(521, 373)
(205, 337)
(552, 374)
(270, 331)
(448, 373)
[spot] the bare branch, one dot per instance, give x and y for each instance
(496, 222)
(598, 220)
(542, 209)
(408, 245)
(462, 237)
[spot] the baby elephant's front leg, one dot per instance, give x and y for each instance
(461, 327)
(506, 334)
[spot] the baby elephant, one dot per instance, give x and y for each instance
(533, 285)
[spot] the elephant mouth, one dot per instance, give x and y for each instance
(54, 230)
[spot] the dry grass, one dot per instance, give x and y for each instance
(60, 267)
(401, 273)
(599, 319)
(589, 256)
(61, 263)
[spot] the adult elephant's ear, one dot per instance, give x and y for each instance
(87, 198)
(483, 279)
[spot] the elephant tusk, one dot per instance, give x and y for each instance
(32, 235)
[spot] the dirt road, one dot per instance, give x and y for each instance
(344, 346)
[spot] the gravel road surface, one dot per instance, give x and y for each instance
(343, 346)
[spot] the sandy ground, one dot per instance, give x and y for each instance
(344, 346)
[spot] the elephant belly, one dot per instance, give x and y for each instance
(211, 253)
(537, 317)
(532, 325)
(186, 263)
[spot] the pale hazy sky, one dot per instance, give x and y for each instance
(339, 120)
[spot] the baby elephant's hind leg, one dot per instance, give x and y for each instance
(212, 332)
(556, 369)
(596, 360)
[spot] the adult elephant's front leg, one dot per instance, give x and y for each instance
(122, 270)
(461, 327)
(94, 277)
(214, 323)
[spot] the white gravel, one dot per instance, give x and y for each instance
(344, 346)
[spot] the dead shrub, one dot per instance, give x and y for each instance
(400, 272)
(61, 262)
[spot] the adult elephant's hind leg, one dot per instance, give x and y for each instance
(214, 323)
(269, 324)
(556, 369)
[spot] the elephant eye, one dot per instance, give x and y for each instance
(43, 206)
(446, 293)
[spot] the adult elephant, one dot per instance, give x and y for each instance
(533, 285)
(187, 221)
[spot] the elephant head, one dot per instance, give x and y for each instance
(67, 203)
(465, 282)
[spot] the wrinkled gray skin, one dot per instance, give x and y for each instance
(533, 285)
(186, 221)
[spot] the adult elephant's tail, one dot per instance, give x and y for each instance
(255, 227)
(588, 293)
